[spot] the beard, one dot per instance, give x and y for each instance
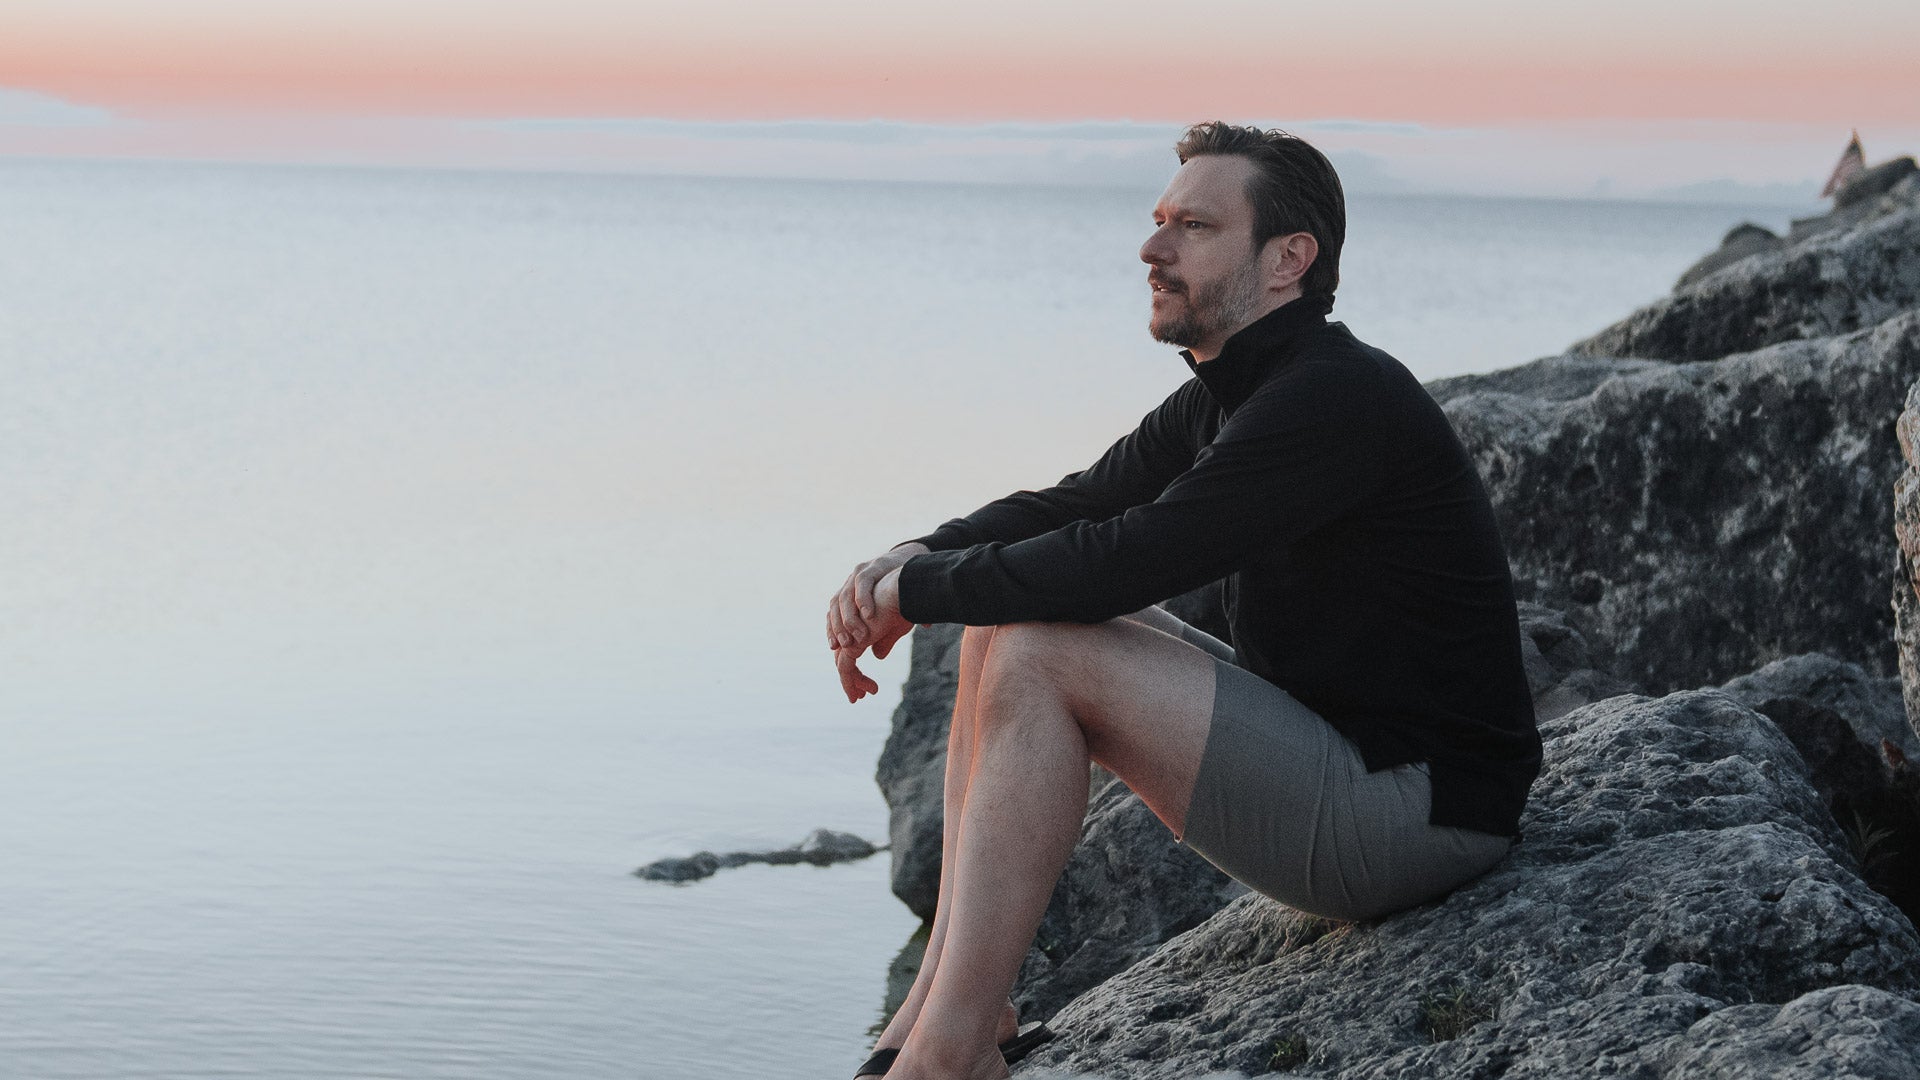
(1219, 307)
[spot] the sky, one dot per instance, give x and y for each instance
(1629, 97)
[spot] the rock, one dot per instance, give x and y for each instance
(1695, 521)
(1871, 183)
(1840, 719)
(1834, 713)
(1128, 888)
(1681, 897)
(913, 767)
(822, 847)
(1834, 281)
(1559, 664)
(1906, 531)
(1744, 240)
(692, 868)
(1841, 1031)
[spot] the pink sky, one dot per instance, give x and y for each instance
(163, 72)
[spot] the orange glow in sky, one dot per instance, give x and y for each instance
(1469, 62)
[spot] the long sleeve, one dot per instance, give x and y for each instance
(1134, 470)
(1299, 453)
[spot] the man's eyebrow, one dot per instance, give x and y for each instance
(1184, 212)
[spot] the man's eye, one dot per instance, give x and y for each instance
(1196, 224)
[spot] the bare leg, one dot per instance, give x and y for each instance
(960, 748)
(1048, 697)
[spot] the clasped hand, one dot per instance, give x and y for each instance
(865, 614)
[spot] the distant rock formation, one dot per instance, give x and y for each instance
(1834, 275)
(822, 847)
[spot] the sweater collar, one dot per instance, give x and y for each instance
(1244, 360)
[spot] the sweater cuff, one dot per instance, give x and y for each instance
(924, 597)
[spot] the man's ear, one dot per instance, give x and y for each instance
(1288, 259)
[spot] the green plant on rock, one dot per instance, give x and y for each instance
(1868, 839)
(1288, 1051)
(1447, 1014)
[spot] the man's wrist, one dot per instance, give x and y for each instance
(887, 592)
(919, 548)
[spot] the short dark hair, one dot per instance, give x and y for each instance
(1293, 189)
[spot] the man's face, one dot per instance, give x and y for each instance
(1206, 274)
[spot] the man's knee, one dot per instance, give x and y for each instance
(1043, 656)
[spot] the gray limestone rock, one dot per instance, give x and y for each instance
(1835, 714)
(1559, 664)
(1743, 240)
(1697, 521)
(1834, 281)
(1906, 531)
(1840, 1031)
(1871, 183)
(1681, 898)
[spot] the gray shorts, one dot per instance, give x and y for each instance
(1285, 804)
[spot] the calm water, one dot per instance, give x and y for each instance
(394, 560)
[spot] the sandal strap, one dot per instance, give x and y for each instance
(878, 1064)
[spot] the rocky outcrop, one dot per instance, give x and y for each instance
(1906, 530)
(1835, 714)
(822, 847)
(1837, 276)
(1742, 241)
(1868, 185)
(1681, 898)
(1560, 664)
(1696, 521)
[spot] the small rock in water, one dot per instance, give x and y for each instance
(822, 847)
(692, 868)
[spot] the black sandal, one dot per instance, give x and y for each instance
(1024, 1042)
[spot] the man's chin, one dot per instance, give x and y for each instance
(1173, 332)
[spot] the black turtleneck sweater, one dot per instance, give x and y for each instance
(1364, 573)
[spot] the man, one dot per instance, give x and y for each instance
(1367, 741)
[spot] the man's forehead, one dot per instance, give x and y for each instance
(1213, 184)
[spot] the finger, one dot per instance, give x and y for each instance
(837, 630)
(849, 674)
(863, 584)
(851, 624)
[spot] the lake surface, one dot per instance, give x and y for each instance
(394, 560)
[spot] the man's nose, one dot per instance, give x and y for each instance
(1154, 252)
